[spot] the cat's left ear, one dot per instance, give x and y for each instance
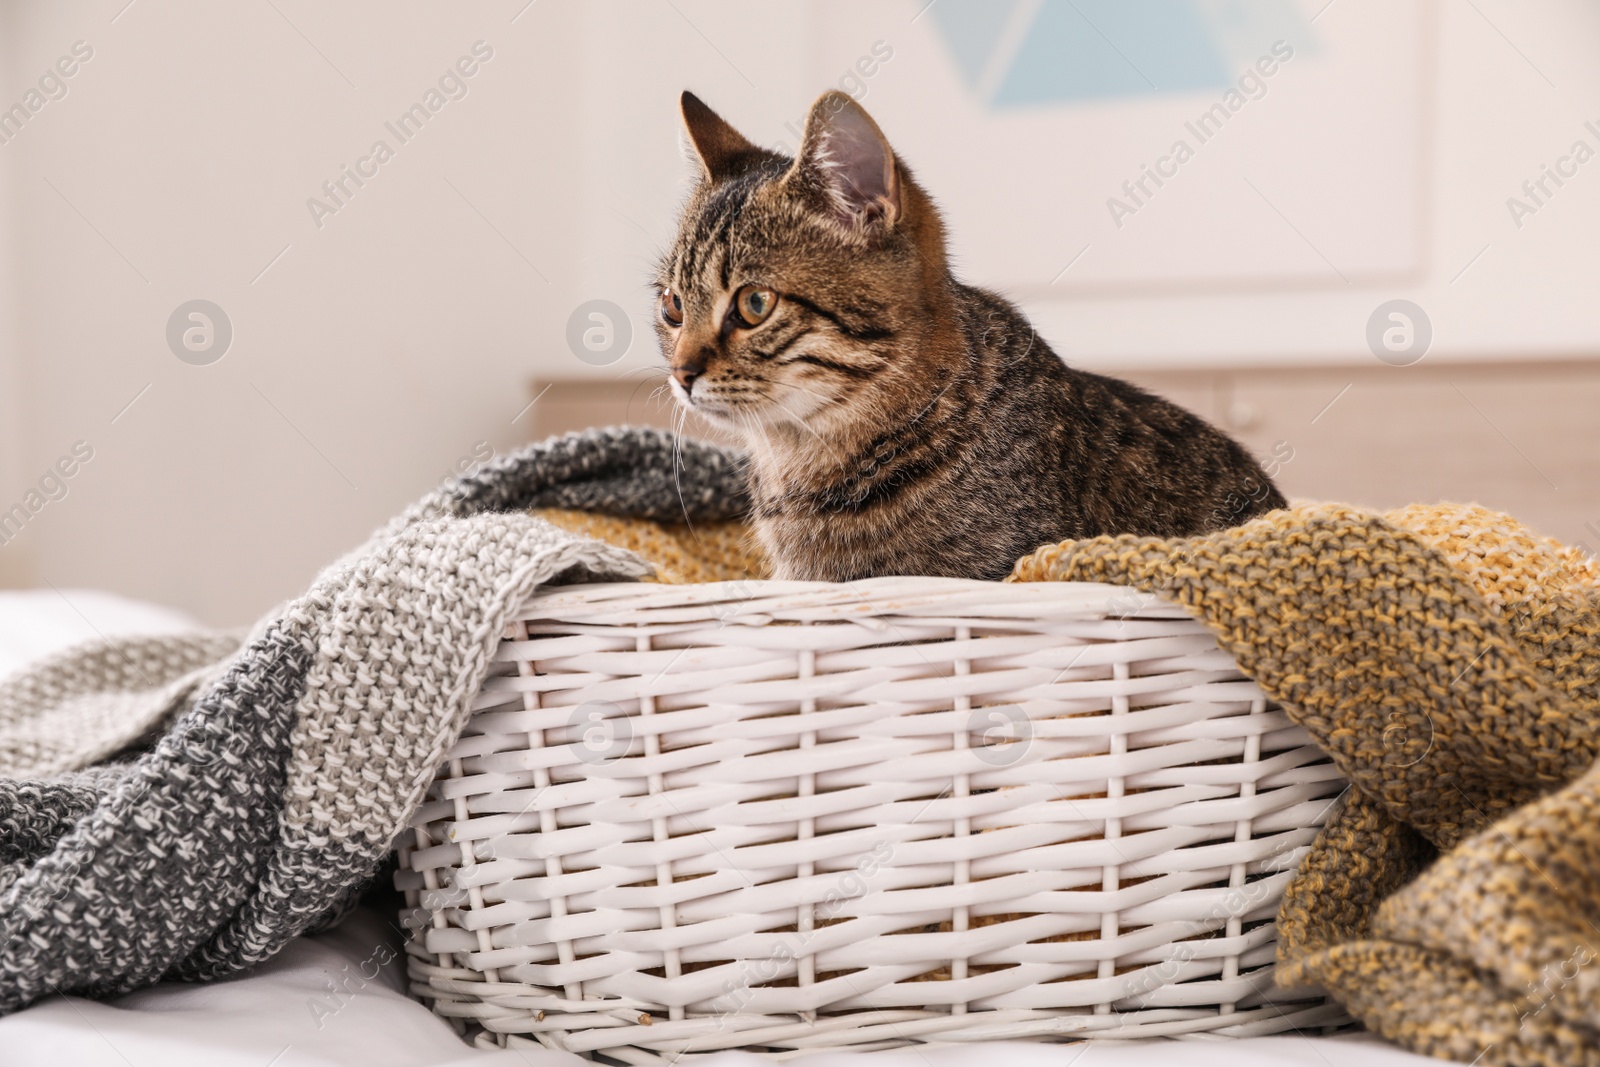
(722, 150)
(847, 155)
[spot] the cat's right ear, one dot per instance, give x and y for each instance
(845, 154)
(722, 150)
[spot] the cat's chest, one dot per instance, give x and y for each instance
(824, 488)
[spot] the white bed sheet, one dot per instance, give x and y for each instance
(37, 622)
(281, 1013)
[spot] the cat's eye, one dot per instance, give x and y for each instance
(671, 308)
(754, 304)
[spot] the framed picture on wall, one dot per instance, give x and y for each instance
(1097, 145)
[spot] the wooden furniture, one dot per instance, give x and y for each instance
(1520, 437)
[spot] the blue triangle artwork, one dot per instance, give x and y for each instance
(1022, 53)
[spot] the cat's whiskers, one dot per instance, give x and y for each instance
(750, 427)
(799, 420)
(677, 468)
(800, 389)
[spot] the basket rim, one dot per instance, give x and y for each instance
(902, 596)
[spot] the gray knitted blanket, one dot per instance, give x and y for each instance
(183, 807)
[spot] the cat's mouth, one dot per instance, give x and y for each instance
(742, 415)
(709, 404)
(742, 410)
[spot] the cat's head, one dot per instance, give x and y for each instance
(795, 287)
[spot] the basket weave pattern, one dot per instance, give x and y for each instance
(804, 816)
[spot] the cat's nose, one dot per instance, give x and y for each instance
(688, 366)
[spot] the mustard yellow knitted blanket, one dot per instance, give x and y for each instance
(1448, 659)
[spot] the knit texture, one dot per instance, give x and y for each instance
(279, 773)
(704, 552)
(1449, 661)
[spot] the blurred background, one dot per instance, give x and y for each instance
(269, 270)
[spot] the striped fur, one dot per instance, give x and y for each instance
(898, 420)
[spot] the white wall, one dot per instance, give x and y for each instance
(377, 352)
(1496, 121)
(13, 568)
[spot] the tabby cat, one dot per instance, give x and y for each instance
(898, 420)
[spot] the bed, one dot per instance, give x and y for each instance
(285, 1013)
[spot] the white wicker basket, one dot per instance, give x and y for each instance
(805, 816)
